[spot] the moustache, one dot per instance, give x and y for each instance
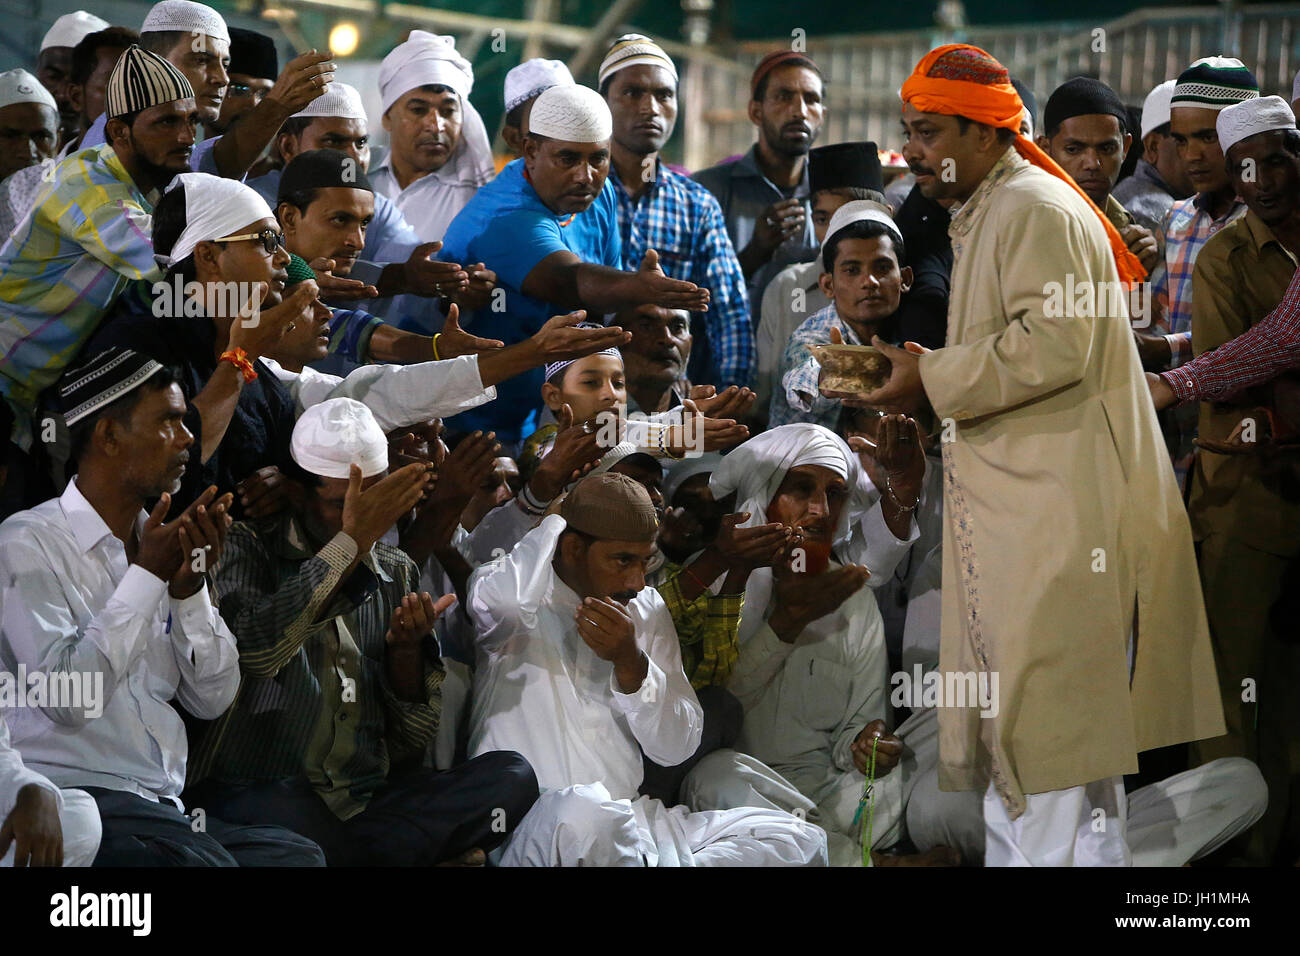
(623, 597)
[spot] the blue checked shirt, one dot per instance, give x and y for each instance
(89, 236)
(797, 399)
(680, 219)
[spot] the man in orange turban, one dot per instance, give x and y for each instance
(1064, 533)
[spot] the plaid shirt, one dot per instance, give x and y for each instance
(1187, 228)
(708, 629)
(1269, 348)
(88, 237)
(797, 399)
(680, 219)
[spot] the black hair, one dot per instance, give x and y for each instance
(862, 229)
(1005, 136)
(85, 55)
(295, 126)
(760, 91)
(119, 411)
(1162, 129)
(515, 116)
(162, 42)
(168, 223)
(300, 199)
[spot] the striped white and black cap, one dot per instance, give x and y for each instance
(102, 381)
(142, 79)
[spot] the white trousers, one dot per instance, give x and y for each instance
(79, 821)
(1169, 823)
(584, 826)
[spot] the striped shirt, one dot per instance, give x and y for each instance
(680, 219)
(315, 698)
(88, 237)
(1187, 228)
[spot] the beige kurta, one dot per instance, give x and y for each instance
(1062, 516)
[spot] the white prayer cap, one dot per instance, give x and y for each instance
(1295, 87)
(424, 59)
(19, 86)
(1155, 108)
(574, 114)
(533, 77)
(332, 436)
(215, 207)
(1261, 115)
(71, 28)
(187, 17)
(633, 49)
(859, 210)
(339, 100)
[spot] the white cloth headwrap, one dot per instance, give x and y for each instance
(214, 207)
(1155, 108)
(427, 59)
(424, 59)
(332, 436)
(338, 100)
(574, 114)
(532, 77)
(187, 17)
(1261, 115)
(71, 28)
(755, 470)
(859, 210)
(19, 86)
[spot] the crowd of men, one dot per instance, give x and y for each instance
(436, 511)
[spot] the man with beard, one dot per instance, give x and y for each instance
(1085, 130)
(94, 584)
(663, 210)
(54, 65)
(764, 194)
(548, 227)
(1159, 178)
(1246, 527)
(28, 122)
(579, 670)
(439, 154)
(88, 237)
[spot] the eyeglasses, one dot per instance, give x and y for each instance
(270, 239)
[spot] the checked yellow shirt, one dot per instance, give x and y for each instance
(708, 629)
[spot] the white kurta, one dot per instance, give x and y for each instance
(542, 692)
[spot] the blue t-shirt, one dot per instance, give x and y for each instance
(508, 228)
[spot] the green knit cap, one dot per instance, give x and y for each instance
(298, 271)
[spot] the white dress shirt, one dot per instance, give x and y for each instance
(541, 691)
(431, 202)
(14, 774)
(397, 395)
(71, 604)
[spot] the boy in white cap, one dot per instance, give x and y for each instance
(29, 122)
(330, 626)
(440, 154)
(1158, 178)
(547, 225)
(54, 65)
(524, 83)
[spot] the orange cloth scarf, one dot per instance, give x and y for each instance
(963, 80)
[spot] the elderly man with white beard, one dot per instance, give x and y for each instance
(579, 670)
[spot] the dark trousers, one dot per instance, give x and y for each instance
(722, 719)
(419, 818)
(139, 832)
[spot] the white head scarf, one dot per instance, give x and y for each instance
(428, 59)
(755, 470)
(332, 436)
(214, 207)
